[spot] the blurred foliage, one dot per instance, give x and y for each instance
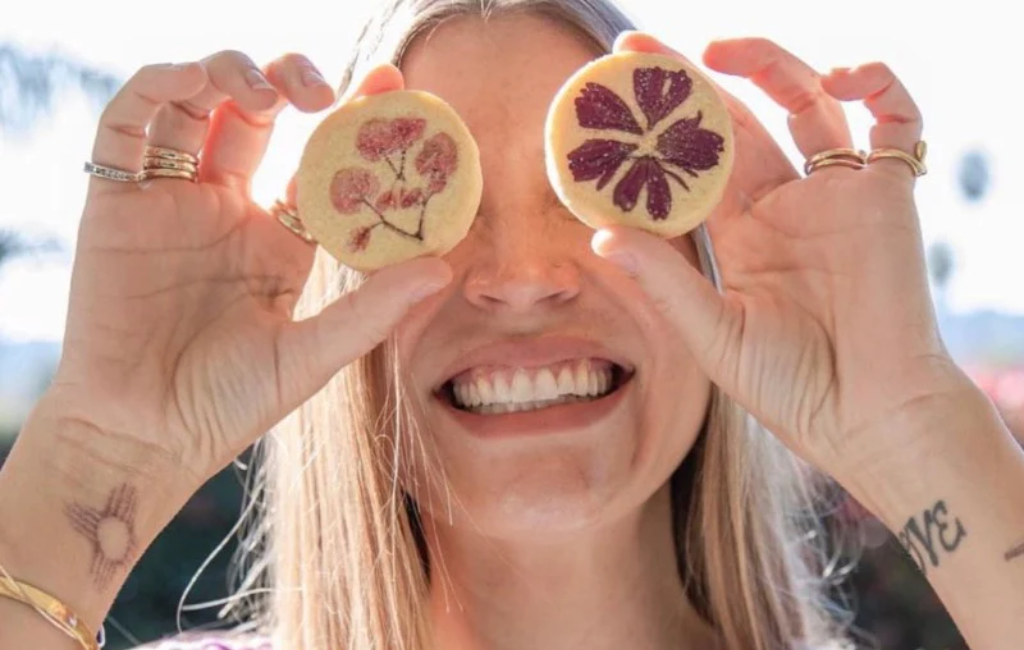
(31, 84)
(974, 176)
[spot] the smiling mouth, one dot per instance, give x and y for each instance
(501, 390)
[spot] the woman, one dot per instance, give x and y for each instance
(657, 516)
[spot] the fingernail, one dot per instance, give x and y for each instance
(257, 81)
(425, 291)
(624, 261)
(311, 77)
(836, 71)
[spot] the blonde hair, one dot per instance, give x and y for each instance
(334, 555)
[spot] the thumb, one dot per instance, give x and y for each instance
(707, 323)
(320, 346)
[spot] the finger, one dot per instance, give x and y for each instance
(686, 298)
(898, 121)
(239, 134)
(232, 75)
(317, 348)
(121, 133)
(239, 138)
(760, 164)
(816, 120)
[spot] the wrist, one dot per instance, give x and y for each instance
(75, 515)
(957, 451)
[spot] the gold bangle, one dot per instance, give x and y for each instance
(54, 611)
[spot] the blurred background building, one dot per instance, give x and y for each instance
(61, 61)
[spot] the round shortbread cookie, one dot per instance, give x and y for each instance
(389, 177)
(639, 139)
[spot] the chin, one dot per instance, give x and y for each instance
(530, 484)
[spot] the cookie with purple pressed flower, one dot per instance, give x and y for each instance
(639, 139)
(389, 177)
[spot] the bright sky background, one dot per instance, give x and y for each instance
(952, 58)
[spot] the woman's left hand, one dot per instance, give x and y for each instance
(825, 329)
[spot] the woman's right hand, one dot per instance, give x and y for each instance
(180, 340)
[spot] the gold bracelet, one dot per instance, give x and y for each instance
(54, 611)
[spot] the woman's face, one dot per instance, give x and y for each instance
(533, 314)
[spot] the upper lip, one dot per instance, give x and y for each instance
(532, 353)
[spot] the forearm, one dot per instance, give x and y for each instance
(73, 524)
(956, 504)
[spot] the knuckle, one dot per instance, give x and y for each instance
(765, 44)
(880, 68)
(228, 58)
(295, 60)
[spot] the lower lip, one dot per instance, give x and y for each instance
(552, 419)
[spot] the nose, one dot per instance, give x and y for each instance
(515, 272)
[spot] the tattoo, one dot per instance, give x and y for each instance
(1015, 552)
(110, 530)
(919, 538)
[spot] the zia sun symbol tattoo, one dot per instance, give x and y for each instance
(355, 189)
(110, 531)
(657, 155)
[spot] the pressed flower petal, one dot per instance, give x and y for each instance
(686, 145)
(439, 157)
(351, 188)
(598, 107)
(659, 92)
(376, 139)
(645, 172)
(598, 159)
(360, 239)
(386, 201)
(407, 130)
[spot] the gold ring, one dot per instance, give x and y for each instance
(916, 161)
(166, 163)
(851, 158)
(147, 174)
(289, 218)
(170, 154)
(829, 162)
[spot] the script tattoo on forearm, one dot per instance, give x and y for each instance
(933, 532)
(1015, 551)
(110, 530)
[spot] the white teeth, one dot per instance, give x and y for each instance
(502, 392)
(509, 391)
(546, 387)
(566, 382)
(522, 387)
(486, 391)
(582, 379)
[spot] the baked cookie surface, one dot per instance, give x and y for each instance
(643, 140)
(389, 177)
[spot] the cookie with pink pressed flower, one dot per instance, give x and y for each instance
(639, 139)
(389, 177)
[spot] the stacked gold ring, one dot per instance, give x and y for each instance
(289, 218)
(916, 161)
(163, 162)
(852, 158)
(855, 159)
